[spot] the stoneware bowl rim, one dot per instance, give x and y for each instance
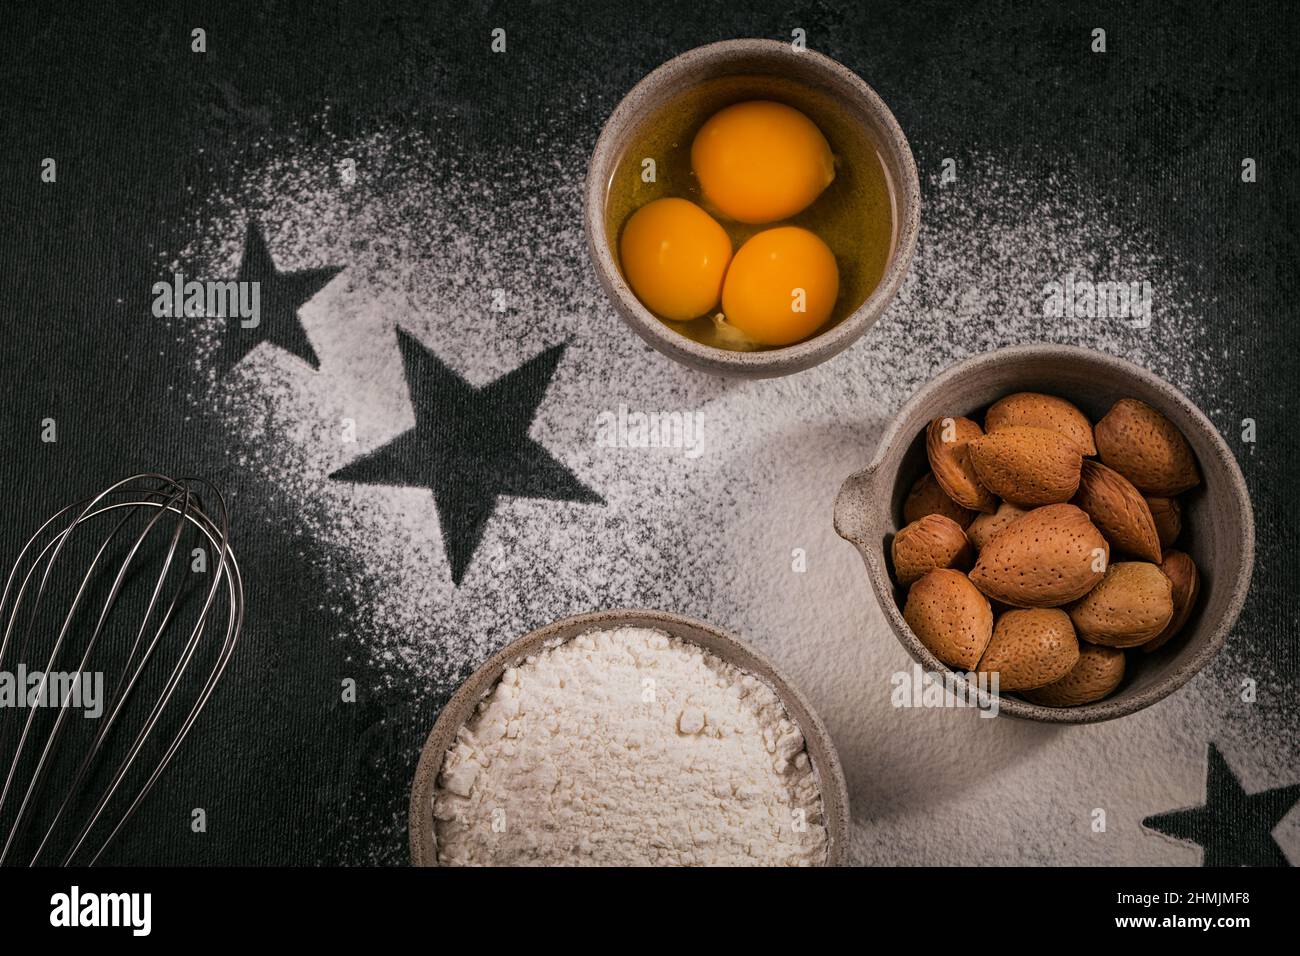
(834, 788)
(870, 481)
(774, 362)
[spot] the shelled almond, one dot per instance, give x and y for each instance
(1095, 675)
(1186, 582)
(1146, 448)
(1168, 516)
(1118, 510)
(1045, 558)
(950, 616)
(1132, 604)
(1065, 527)
(1027, 466)
(1042, 411)
(984, 528)
(927, 498)
(947, 446)
(927, 543)
(1031, 648)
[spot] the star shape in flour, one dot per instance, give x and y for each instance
(470, 446)
(282, 294)
(1234, 827)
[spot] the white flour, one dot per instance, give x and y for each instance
(629, 747)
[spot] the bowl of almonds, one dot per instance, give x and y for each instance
(1059, 519)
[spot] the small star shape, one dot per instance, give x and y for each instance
(1234, 827)
(470, 446)
(282, 294)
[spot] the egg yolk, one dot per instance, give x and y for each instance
(781, 286)
(674, 255)
(761, 161)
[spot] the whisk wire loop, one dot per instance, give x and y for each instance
(97, 777)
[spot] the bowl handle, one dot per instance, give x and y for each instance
(851, 505)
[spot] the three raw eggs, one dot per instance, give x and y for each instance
(757, 162)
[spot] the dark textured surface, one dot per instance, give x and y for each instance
(142, 129)
(1234, 827)
(281, 294)
(470, 446)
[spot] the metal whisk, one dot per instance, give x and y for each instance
(136, 592)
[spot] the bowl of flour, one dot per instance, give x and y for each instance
(628, 738)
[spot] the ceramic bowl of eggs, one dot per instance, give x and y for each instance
(751, 208)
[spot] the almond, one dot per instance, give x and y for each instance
(1131, 605)
(927, 543)
(1118, 510)
(1042, 411)
(945, 445)
(1046, 558)
(1146, 448)
(983, 528)
(1030, 648)
(950, 617)
(927, 498)
(1097, 673)
(1027, 465)
(1168, 516)
(1186, 582)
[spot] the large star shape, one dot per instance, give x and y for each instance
(282, 294)
(470, 446)
(1234, 827)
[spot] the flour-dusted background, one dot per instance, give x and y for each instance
(468, 166)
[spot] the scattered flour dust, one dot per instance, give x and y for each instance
(434, 246)
(629, 748)
(434, 243)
